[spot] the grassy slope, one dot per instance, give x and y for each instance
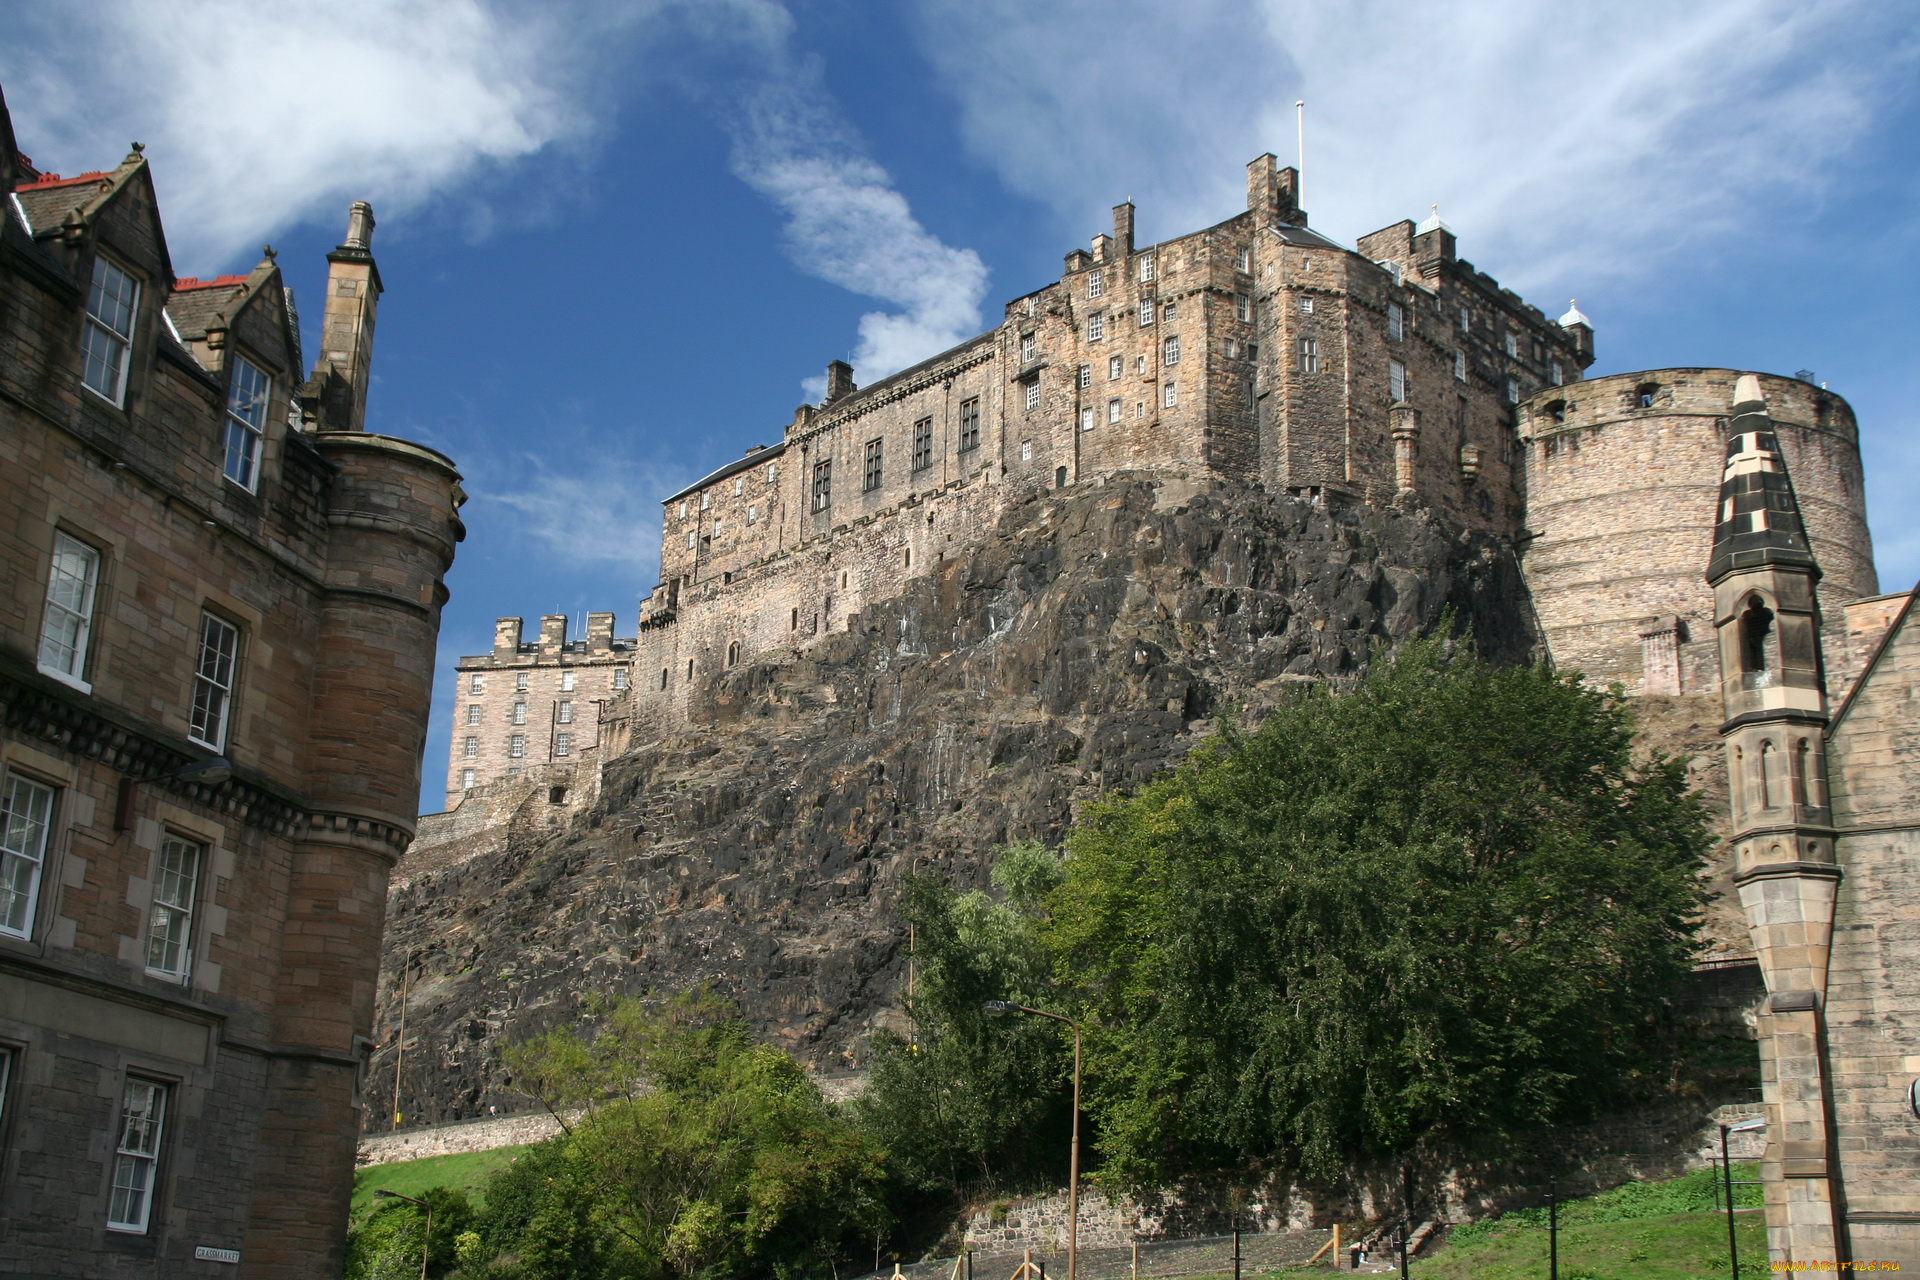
(411, 1177)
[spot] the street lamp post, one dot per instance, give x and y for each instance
(426, 1239)
(1726, 1177)
(1073, 1158)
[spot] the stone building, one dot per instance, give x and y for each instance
(1255, 349)
(530, 707)
(216, 647)
(1826, 817)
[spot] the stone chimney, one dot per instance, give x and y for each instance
(600, 633)
(553, 634)
(839, 381)
(506, 637)
(338, 389)
(1123, 229)
(1273, 193)
(1102, 248)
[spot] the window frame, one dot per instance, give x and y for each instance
(1097, 327)
(1460, 366)
(1396, 322)
(1086, 376)
(1170, 349)
(1169, 395)
(184, 915)
(83, 632)
(31, 853)
(476, 684)
(96, 323)
(970, 423)
(1086, 423)
(1243, 308)
(1032, 400)
(516, 746)
(872, 476)
(243, 435)
(1116, 412)
(467, 777)
(1309, 353)
(922, 443)
(563, 744)
(1396, 381)
(1096, 284)
(144, 1157)
(822, 486)
(1029, 348)
(1146, 312)
(470, 747)
(563, 713)
(475, 713)
(227, 693)
(1147, 268)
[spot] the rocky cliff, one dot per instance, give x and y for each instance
(1090, 642)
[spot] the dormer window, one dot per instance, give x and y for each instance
(109, 334)
(247, 392)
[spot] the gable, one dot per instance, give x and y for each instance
(1873, 746)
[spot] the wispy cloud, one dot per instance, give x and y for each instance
(608, 516)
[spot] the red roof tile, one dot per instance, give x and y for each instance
(46, 180)
(188, 282)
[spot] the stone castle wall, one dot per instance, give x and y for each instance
(1620, 514)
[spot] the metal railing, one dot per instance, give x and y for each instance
(1228, 1255)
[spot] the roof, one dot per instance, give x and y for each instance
(195, 303)
(1759, 522)
(1304, 237)
(48, 201)
(765, 454)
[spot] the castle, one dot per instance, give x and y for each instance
(216, 650)
(1259, 352)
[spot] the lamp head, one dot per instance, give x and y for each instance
(208, 772)
(1000, 1006)
(385, 1195)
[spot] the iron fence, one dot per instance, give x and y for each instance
(1146, 1259)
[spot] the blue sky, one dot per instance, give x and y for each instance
(619, 238)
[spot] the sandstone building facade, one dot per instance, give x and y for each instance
(216, 643)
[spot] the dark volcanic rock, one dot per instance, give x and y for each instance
(1084, 648)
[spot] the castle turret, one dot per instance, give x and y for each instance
(1773, 688)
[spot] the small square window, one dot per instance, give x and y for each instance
(1169, 395)
(620, 680)
(1306, 306)
(1033, 394)
(1169, 311)
(1396, 322)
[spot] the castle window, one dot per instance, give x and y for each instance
(466, 779)
(563, 744)
(620, 680)
(1169, 311)
(1759, 646)
(716, 527)
(518, 715)
(689, 668)
(1096, 327)
(1170, 350)
(213, 679)
(1242, 307)
(1230, 349)
(773, 472)
(1115, 367)
(1309, 355)
(566, 682)
(1513, 391)
(1555, 373)
(1096, 284)
(663, 678)
(1086, 376)
(1033, 394)
(753, 515)
(1146, 311)
(109, 333)
(136, 1154)
(923, 444)
(67, 624)
(470, 749)
(1146, 267)
(791, 626)
(1243, 260)
(1140, 364)
(823, 484)
(520, 679)
(706, 500)
(565, 713)
(1026, 348)
(1556, 411)
(1460, 365)
(871, 477)
(970, 418)
(733, 654)
(693, 539)
(906, 558)
(476, 684)
(247, 391)
(1086, 424)
(1169, 395)
(513, 771)
(683, 511)
(1026, 446)
(557, 795)
(1059, 477)
(1113, 410)
(1139, 408)
(517, 747)
(1253, 351)
(1466, 321)
(176, 890)
(26, 814)
(1770, 791)
(1396, 381)
(473, 713)
(1513, 346)
(1396, 322)
(1644, 393)
(1306, 306)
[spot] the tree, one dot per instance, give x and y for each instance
(1447, 900)
(975, 1102)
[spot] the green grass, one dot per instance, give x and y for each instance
(1641, 1231)
(410, 1177)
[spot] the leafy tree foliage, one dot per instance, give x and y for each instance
(386, 1244)
(1447, 899)
(976, 1101)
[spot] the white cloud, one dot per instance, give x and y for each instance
(848, 225)
(1560, 140)
(607, 516)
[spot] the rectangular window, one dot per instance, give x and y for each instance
(26, 815)
(566, 678)
(1169, 395)
(111, 304)
(1026, 348)
(823, 484)
(706, 500)
(1460, 365)
(247, 392)
(970, 422)
(739, 483)
(213, 682)
(1513, 346)
(1466, 321)
(563, 744)
(143, 1110)
(1096, 328)
(1556, 374)
(620, 680)
(683, 511)
(520, 682)
(871, 476)
(1113, 411)
(517, 746)
(1169, 310)
(1086, 376)
(473, 713)
(923, 444)
(1096, 284)
(176, 884)
(1086, 419)
(753, 515)
(565, 714)
(1170, 350)
(470, 749)
(519, 714)
(1243, 261)
(773, 472)
(1033, 395)
(693, 539)
(1309, 355)
(1242, 307)
(1396, 322)
(1115, 367)
(476, 684)
(1306, 306)
(68, 622)
(466, 779)
(1146, 267)
(1513, 391)
(1396, 381)
(1146, 311)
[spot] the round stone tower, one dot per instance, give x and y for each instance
(1622, 479)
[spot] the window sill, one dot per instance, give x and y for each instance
(201, 742)
(72, 682)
